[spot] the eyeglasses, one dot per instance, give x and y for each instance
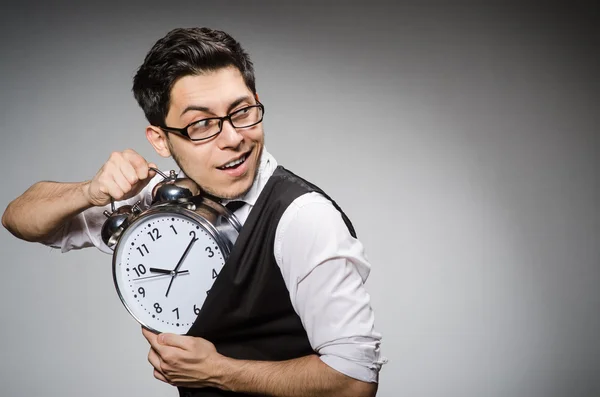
(200, 130)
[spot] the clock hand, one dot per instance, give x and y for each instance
(163, 271)
(192, 241)
(160, 275)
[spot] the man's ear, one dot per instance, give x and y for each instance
(158, 140)
(256, 96)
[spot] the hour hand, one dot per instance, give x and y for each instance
(163, 271)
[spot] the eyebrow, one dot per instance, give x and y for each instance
(205, 109)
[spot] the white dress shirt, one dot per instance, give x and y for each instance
(323, 266)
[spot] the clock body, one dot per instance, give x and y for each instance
(165, 264)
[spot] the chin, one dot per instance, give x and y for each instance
(229, 191)
(237, 192)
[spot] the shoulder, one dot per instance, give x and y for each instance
(311, 203)
(311, 220)
(310, 208)
(303, 203)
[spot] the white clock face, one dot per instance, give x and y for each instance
(164, 267)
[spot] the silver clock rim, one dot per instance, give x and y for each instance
(224, 246)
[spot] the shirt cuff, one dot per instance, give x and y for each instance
(359, 371)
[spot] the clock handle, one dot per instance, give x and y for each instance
(159, 172)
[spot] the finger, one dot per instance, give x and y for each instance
(121, 181)
(160, 376)
(157, 346)
(115, 165)
(129, 171)
(173, 340)
(154, 359)
(106, 183)
(137, 162)
(113, 190)
(122, 163)
(150, 337)
(151, 173)
(154, 355)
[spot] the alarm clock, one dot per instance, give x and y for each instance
(166, 257)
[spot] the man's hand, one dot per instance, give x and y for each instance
(123, 176)
(194, 362)
(182, 360)
(40, 212)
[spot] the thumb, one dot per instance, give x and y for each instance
(172, 340)
(151, 172)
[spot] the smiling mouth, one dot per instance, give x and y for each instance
(235, 163)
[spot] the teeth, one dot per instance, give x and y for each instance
(234, 163)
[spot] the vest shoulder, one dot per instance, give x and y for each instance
(296, 186)
(290, 180)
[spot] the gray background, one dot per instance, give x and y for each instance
(462, 141)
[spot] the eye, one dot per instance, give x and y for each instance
(241, 114)
(201, 123)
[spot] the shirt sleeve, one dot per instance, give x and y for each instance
(84, 229)
(325, 269)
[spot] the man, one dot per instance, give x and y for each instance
(305, 327)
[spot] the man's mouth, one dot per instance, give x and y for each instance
(235, 163)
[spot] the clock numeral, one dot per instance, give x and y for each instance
(145, 248)
(193, 233)
(154, 232)
(142, 292)
(176, 310)
(210, 252)
(140, 269)
(214, 274)
(196, 310)
(173, 227)
(157, 308)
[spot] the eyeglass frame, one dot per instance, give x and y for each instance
(183, 131)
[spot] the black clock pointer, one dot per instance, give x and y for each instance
(161, 275)
(189, 247)
(163, 271)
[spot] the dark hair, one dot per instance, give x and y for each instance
(180, 53)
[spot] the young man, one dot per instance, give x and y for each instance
(305, 326)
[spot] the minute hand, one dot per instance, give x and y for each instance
(160, 275)
(189, 247)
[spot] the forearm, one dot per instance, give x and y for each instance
(306, 376)
(44, 208)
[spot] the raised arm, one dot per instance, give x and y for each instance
(46, 206)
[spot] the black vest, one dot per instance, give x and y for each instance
(248, 313)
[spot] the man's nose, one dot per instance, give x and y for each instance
(229, 135)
